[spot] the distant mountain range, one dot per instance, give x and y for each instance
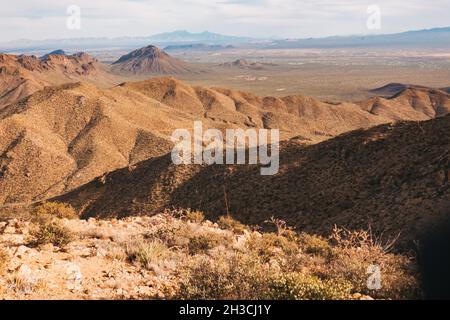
(163, 39)
(428, 38)
(203, 37)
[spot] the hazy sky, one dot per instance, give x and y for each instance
(259, 18)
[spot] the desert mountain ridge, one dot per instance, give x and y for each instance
(82, 132)
(245, 64)
(23, 75)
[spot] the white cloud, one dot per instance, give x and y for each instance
(290, 18)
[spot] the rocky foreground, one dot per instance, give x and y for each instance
(180, 255)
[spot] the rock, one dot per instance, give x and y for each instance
(21, 251)
(74, 277)
(80, 251)
(14, 239)
(142, 291)
(101, 252)
(27, 278)
(9, 230)
(48, 247)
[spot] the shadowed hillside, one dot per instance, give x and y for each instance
(393, 178)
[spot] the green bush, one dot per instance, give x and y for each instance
(297, 286)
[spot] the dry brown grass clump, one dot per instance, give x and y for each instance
(152, 255)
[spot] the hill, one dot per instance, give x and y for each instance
(245, 64)
(393, 178)
(198, 47)
(150, 60)
(62, 137)
(22, 75)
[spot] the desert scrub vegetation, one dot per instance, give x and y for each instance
(51, 231)
(227, 260)
(56, 210)
(152, 255)
(47, 226)
(355, 251)
(228, 223)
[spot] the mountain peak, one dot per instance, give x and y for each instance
(148, 60)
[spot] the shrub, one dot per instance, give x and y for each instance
(297, 286)
(271, 245)
(147, 253)
(398, 277)
(152, 255)
(51, 231)
(228, 223)
(195, 216)
(172, 235)
(55, 210)
(234, 277)
(314, 245)
(203, 242)
(355, 251)
(281, 226)
(244, 277)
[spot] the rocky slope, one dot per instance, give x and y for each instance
(62, 137)
(175, 254)
(393, 178)
(23, 75)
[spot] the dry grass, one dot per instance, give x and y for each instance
(153, 255)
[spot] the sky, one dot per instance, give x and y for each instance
(45, 19)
